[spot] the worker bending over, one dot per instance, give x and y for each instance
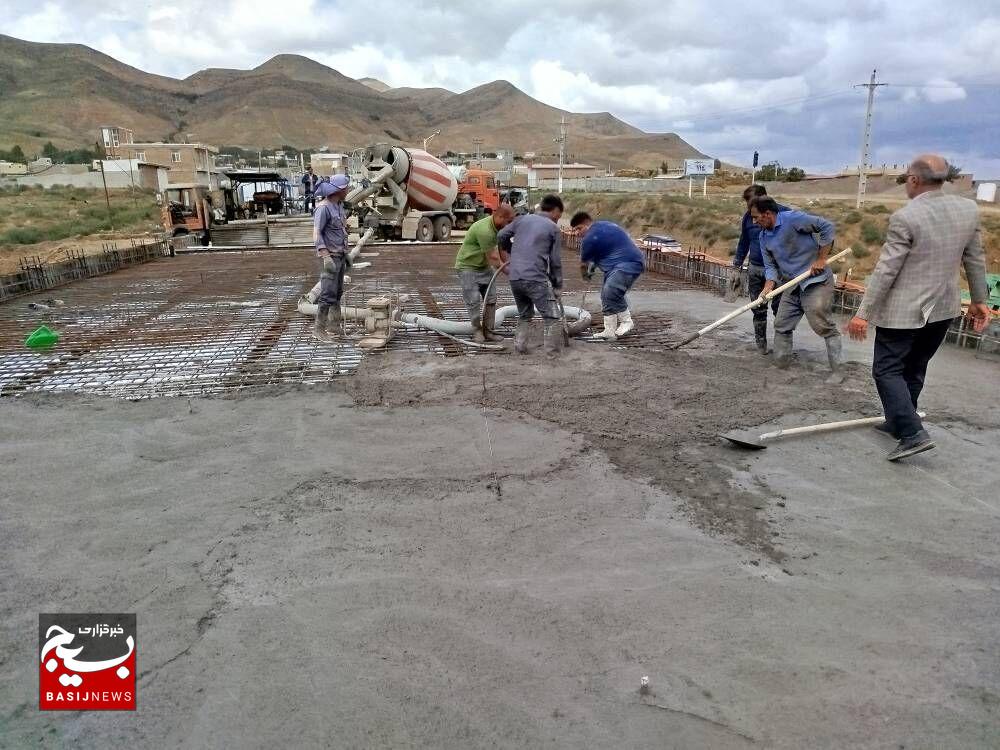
(477, 262)
(789, 245)
(913, 294)
(749, 246)
(607, 246)
(330, 236)
(532, 244)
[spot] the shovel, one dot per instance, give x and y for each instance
(759, 301)
(755, 439)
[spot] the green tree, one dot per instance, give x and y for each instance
(664, 167)
(795, 174)
(16, 154)
(770, 172)
(50, 151)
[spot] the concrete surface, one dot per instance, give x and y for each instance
(349, 566)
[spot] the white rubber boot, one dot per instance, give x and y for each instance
(610, 324)
(625, 323)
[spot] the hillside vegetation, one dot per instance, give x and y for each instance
(713, 223)
(47, 222)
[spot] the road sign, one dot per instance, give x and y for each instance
(699, 167)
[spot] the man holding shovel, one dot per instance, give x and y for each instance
(791, 243)
(749, 245)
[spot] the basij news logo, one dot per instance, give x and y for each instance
(86, 662)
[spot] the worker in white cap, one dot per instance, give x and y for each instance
(330, 236)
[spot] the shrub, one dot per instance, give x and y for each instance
(21, 236)
(876, 208)
(852, 218)
(871, 233)
(860, 251)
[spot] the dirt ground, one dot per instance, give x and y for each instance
(408, 559)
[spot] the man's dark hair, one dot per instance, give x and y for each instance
(753, 191)
(764, 204)
(578, 218)
(550, 203)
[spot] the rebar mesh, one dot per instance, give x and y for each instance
(220, 322)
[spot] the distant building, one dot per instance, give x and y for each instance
(539, 172)
(13, 167)
(115, 141)
(122, 173)
(188, 163)
(326, 163)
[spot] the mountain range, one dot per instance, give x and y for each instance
(64, 93)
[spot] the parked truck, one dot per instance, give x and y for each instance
(406, 193)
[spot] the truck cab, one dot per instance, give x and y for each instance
(481, 187)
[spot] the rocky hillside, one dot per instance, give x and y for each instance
(64, 93)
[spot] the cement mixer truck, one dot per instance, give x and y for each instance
(406, 193)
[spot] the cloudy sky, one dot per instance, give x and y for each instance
(730, 77)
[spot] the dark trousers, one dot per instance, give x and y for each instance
(755, 285)
(899, 368)
(310, 202)
(534, 295)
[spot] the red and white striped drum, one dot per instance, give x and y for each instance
(430, 185)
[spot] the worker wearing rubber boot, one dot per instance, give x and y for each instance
(791, 243)
(749, 247)
(607, 246)
(477, 263)
(532, 245)
(330, 236)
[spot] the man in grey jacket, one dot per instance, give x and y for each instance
(533, 244)
(913, 294)
(330, 237)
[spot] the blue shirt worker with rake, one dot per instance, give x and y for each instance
(607, 246)
(330, 236)
(793, 242)
(533, 244)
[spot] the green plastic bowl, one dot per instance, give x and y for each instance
(42, 337)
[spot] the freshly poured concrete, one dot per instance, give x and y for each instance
(339, 568)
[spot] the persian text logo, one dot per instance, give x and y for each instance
(86, 662)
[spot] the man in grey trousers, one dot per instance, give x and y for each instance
(793, 242)
(913, 294)
(533, 244)
(330, 236)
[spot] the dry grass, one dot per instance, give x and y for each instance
(41, 222)
(713, 223)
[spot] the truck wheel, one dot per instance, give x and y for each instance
(442, 228)
(425, 230)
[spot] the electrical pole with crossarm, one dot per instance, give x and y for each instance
(866, 139)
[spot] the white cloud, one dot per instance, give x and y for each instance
(724, 74)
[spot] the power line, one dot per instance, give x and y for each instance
(764, 107)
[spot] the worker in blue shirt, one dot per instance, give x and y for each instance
(330, 237)
(607, 246)
(793, 242)
(749, 245)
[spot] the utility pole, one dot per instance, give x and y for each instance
(866, 139)
(107, 198)
(479, 151)
(561, 140)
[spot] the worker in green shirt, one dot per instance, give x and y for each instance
(477, 261)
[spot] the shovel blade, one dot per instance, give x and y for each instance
(745, 439)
